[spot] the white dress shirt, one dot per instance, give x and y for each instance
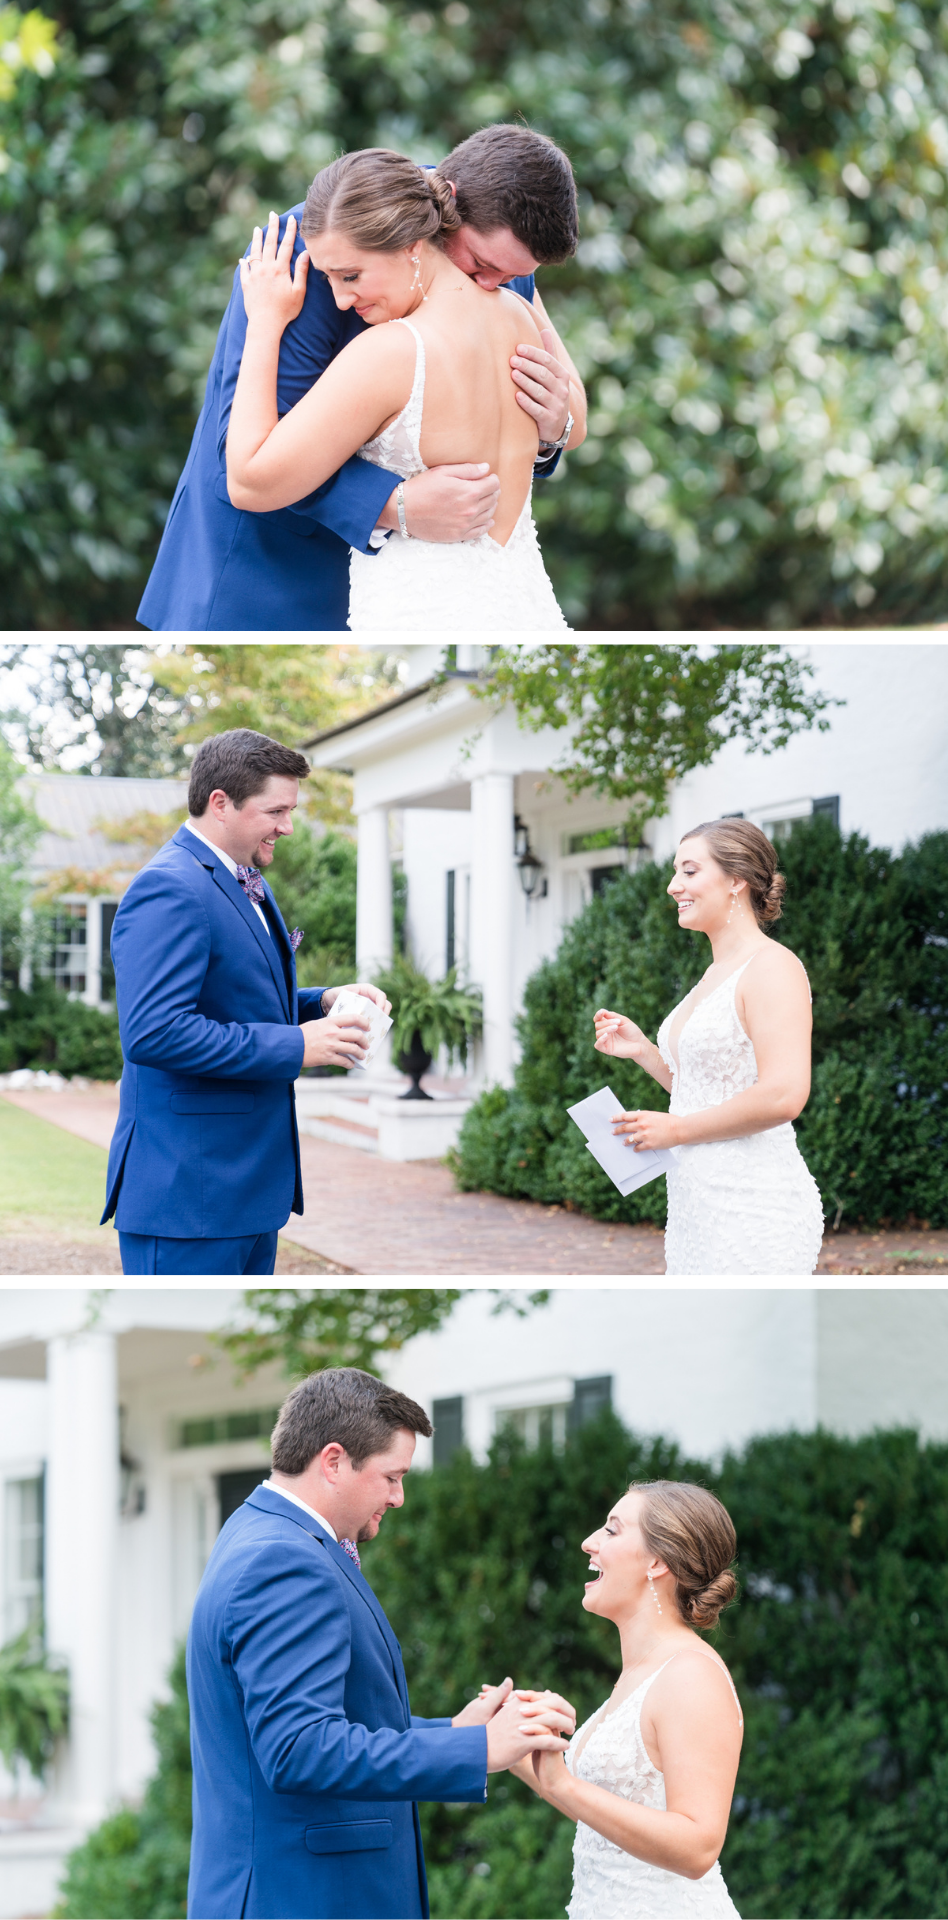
(231, 866)
(310, 1511)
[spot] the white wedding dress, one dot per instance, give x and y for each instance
(744, 1206)
(421, 586)
(608, 1883)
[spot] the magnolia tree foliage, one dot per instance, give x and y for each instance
(758, 302)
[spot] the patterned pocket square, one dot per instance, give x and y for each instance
(296, 938)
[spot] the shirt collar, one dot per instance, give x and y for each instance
(297, 1502)
(225, 858)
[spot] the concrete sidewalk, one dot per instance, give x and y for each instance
(368, 1216)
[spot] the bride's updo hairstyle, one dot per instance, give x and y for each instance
(690, 1530)
(745, 851)
(380, 201)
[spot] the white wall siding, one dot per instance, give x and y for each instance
(705, 1368)
(885, 755)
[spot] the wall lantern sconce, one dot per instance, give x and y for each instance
(528, 866)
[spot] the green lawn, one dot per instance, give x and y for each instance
(48, 1178)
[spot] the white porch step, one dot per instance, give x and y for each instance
(375, 1119)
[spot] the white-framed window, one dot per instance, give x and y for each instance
(537, 1426)
(22, 1554)
(779, 818)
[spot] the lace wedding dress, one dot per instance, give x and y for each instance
(608, 1883)
(420, 586)
(744, 1206)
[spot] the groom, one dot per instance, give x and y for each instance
(204, 1166)
(219, 567)
(308, 1761)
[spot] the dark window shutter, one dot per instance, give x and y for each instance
(234, 1488)
(590, 1397)
(448, 1418)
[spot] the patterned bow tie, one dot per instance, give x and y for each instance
(349, 1547)
(251, 879)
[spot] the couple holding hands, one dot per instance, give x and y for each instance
(308, 1762)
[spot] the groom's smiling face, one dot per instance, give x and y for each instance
(250, 832)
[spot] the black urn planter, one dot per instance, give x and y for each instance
(415, 1062)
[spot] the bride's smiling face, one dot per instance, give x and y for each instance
(619, 1561)
(701, 890)
(380, 286)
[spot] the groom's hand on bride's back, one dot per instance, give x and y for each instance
(446, 504)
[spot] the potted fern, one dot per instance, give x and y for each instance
(427, 1015)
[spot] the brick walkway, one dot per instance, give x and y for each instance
(370, 1216)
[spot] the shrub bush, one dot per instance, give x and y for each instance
(135, 1865)
(836, 1646)
(871, 929)
(44, 1028)
(314, 879)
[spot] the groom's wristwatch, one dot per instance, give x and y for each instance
(547, 448)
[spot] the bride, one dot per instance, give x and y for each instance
(432, 388)
(649, 1778)
(735, 1056)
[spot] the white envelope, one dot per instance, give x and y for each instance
(379, 1022)
(626, 1169)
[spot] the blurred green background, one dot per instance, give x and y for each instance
(758, 303)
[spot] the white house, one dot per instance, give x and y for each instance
(499, 858)
(81, 815)
(125, 1441)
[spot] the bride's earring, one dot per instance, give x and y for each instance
(416, 263)
(651, 1588)
(733, 905)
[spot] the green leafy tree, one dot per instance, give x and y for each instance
(641, 717)
(872, 931)
(20, 828)
(103, 703)
(314, 879)
(304, 1330)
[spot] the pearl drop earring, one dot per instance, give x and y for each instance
(417, 280)
(651, 1588)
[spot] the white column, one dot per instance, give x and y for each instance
(93, 992)
(82, 1519)
(373, 893)
(492, 903)
(25, 980)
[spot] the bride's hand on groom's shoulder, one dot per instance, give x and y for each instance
(273, 291)
(618, 1036)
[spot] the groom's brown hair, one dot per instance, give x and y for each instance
(240, 764)
(342, 1404)
(507, 176)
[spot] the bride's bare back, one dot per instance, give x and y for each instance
(471, 412)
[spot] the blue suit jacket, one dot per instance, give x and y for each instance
(206, 1144)
(219, 567)
(307, 1757)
